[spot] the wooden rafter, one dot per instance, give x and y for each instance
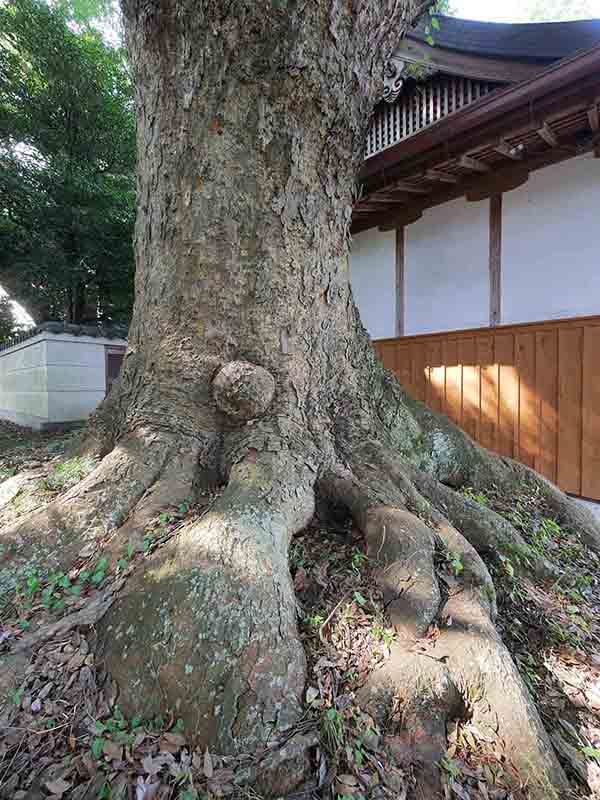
(409, 188)
(516, 153)
(468, 162)
(379, 197)
(548, 135)
(594, 117)
(441, 176)
(504, 180)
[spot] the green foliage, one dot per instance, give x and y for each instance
(456, 564)
(68, 473)
(333, 730)
(8, 323)
(477, 497)
(67, 159)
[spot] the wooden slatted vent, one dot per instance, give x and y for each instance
(421, 105)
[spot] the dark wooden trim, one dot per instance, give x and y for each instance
(467, 65)
(548, 135)
(594, 117)
(495, 264)
(468, 162)
(400, 295)
(497, 183)
(109, 350)
(551, 90)
(404, 215)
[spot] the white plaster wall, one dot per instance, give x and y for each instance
(76, 371)
(373, 279)
(23, 383)
(551, 243)
(53, 378)
(446, 272)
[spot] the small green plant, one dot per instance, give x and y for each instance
(455, 562)
(125, 559)
(591, 752)
(185, 506)
(332, 729)
(68, 473)
(507, 566)
(477, 497)
(359, 560)
(451, 767)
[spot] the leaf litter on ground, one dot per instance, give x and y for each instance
(62, 733)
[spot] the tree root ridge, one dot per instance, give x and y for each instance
(206, 625)
(116, 499)
(464, 664)
(208, 628)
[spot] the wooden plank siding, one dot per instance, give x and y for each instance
(530, 392)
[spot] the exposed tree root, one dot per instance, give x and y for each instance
(447, 453)
(489, 533)
(471, 662)
(140, 475)
(208, 628)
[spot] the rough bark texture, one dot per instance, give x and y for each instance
(248, 366)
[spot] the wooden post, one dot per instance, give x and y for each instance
(495, 265)
(400, 281)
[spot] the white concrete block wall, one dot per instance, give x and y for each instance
(53, 378)
(551, 243)
(446, 272)
(76, 370)
(373, 279)
(23, 383)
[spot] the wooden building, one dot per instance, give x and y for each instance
(476, 240)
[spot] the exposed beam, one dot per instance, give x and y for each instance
(594, 118)
(497, 182)
(468, 162)
(516, 153)
(547, 134)
(439, 175)
(385, 198)
(409, 188)
(401, 218)
(495, 260)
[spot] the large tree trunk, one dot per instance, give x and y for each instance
(248, 366)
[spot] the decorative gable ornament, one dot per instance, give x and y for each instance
(393, 79)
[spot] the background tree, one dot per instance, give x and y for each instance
(67, 156)
(249, 374)
(8, 323)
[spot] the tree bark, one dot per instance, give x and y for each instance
(248, 367)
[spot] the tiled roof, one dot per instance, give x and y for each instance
(535, 41)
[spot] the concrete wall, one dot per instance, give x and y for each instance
(373, 278)
(551, 243)
(53, 378)
(24, 383)
(446, 273)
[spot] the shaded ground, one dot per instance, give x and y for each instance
(62, 734)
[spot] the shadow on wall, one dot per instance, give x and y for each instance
(529, 392)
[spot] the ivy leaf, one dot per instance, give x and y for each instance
(360, 599)
(98, 747)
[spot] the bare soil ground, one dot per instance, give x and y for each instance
(63, 735)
